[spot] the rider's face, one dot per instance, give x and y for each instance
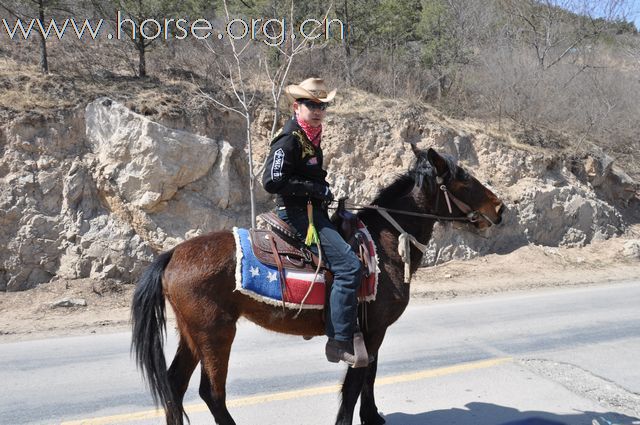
(313, 116)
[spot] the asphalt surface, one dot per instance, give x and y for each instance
(564, 356)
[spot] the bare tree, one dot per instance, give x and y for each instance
(240, 82)
(358, 17)
(240, 85)
(449, 29)
(36, 12)
(129, 18)
(552, 30)
(277, 75)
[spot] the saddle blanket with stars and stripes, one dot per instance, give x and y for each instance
(262, 281)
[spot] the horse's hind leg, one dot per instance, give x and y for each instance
(180, 372)
(215, 349)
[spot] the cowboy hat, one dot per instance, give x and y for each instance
(311, 88)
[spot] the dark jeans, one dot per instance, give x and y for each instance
(342, 308)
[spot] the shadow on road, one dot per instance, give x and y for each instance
(492, 414)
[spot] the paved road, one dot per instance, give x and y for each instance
(562, 356)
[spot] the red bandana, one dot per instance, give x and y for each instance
(314, 134)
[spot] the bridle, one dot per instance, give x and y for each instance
(469, 214)
(405, 240)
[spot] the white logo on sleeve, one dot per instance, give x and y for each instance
(278, 162)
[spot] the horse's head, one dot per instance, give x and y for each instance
(453, 192)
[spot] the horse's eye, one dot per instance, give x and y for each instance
(462, 174)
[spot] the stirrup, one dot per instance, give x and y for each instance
(362, 358)
(354, 353)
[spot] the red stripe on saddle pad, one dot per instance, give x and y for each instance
(298, 286)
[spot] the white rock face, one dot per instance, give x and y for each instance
(170, 183)
(146, 161)
(99, 197)
(547, 203)
(632, 249)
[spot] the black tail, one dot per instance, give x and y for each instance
(149, 331)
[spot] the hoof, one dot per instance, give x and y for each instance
(375, 419)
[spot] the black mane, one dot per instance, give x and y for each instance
(399, 188)
(421, 172)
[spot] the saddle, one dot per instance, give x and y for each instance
(280, 246)
(347, 224)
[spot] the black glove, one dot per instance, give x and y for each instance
(322, 192)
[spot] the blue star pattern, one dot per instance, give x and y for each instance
(255, 276)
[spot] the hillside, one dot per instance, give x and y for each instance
(73, 205)
(111, 150)
(561, 75)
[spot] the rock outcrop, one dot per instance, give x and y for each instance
(548, 204)
(98, 191)
(167, 184)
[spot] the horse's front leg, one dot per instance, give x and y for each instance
(368, 410)
(351, 388)
(360, 381)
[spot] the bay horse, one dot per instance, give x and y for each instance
(197, 277)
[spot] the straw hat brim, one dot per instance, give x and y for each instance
(294, 92)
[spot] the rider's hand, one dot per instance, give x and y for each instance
(322, 192)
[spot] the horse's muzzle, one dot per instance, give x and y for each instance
(500, 211)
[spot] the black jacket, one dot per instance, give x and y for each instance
(294, 168)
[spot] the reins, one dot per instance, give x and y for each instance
(470, 215)
(406, 239)
(359, 207)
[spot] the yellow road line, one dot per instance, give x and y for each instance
(288, 395)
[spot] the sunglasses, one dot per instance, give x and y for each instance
(314, 106)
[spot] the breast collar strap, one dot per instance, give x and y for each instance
(404, 244)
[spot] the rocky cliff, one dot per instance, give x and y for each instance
(97, 191)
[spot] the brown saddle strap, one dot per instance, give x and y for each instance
(279, 225)
(278, 261)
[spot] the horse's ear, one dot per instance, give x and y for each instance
(416, 151)
(438, 162)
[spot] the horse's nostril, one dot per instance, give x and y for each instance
(500, 209)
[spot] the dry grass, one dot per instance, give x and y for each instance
(25, 90)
